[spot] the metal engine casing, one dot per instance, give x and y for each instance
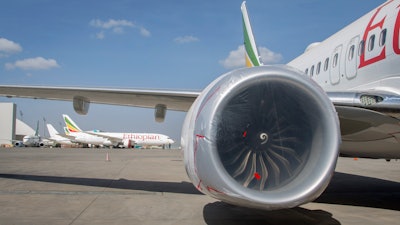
(264, 137)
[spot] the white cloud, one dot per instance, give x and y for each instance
(111, 23)
(38, 63)
(236, 58)
(186, 39)
(116, 27)
(268, 56)
(8, 47)
(118, 30)
(144, 32)
(100, 35)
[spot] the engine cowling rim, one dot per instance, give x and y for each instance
(280, 195)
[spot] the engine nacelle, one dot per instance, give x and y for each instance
(127, 143)
(263, 137)
(19, 144)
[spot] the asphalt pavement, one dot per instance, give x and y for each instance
(80, 186)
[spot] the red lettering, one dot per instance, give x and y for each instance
(371, 27)
(396, 38)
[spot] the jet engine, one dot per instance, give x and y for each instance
(264, 137)
(127, 143)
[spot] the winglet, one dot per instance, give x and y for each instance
(71, 125)
(252, 56)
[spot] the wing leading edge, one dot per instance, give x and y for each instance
(145, 98)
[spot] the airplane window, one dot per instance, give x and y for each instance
(361, 47)
(382, 38)
(371, 43)
(351, 53)
(306, 71)
(312, 71)
(335, 60)
(326, 64)
(318, 68)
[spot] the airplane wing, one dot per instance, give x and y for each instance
(146, 98)
(368, 133)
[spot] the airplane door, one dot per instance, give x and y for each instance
(351, 58)
(335, 66)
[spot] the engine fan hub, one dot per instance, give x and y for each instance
(257, 141)
(263, 138)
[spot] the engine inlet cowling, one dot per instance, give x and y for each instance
(265, 137)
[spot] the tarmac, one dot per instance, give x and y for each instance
(80, 186)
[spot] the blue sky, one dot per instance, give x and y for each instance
(148, 44)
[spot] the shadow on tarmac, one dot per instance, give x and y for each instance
(223, 213)
(354, 190)
(152, 186)
(344, 189)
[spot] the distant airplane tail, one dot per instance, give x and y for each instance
(71, 125)
(66, 131)
(252, 55)
(52, 131)
(37, 129)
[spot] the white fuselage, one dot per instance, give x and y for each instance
(85, 138)
(32, 141)
(139, 138)
(363, 56)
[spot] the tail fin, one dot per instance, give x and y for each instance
(52, 131)
(252, 56)
(37, 129)
(71, 125)
(66, 131)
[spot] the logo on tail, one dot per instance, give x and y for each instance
(71, 125)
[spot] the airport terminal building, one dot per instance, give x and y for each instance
(11, 128)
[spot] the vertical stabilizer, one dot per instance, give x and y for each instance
(37, 129)
(52, 131)
(252, 56)
(66, 131)
(71, 125)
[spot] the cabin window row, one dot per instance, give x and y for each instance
(351, 53)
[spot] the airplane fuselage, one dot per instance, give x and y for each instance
(363, 56)
(84, 138)
(140, 138)
(32, 141)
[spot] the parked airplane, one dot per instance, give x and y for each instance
(56, 137)
(268, 136)
(32, 140)
(128, 140)
(77, 135)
